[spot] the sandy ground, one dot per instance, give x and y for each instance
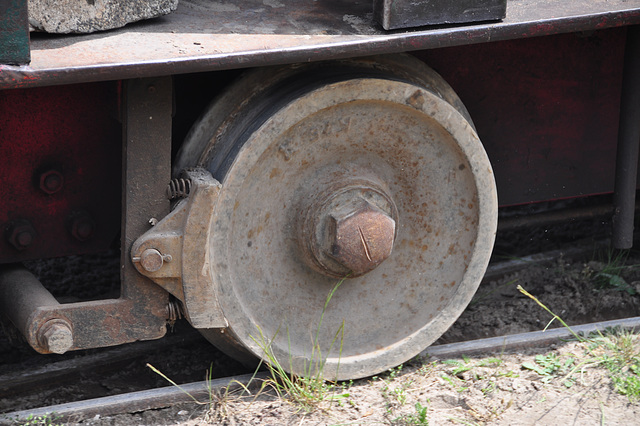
(492, 390)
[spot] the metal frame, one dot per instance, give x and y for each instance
(187, 42)
(190, 40)
(142, 310)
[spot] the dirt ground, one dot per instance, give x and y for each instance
(568, 383)
(495, 390)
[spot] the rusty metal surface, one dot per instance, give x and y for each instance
(146, 170)
(314, 130)
(203, 35)
(20, 295)
(49, 326)
(394, 14)
(174, 252)
(142, 309)
(346, 226)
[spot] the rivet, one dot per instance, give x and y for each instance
(51, 181)
(20, 234)
(82, 226)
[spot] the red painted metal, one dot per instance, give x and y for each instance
(545, 108)
(60, 155)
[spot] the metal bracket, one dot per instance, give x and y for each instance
(141, 311)
(175, 252)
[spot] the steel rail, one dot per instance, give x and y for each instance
(104, 359)
(136, 401)
(172, 395)
(13, 382)
(531, 339)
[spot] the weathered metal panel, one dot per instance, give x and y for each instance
(205, 38)
(546, 110)
(394, 14)
(60, 170)
(14, 32)
(142, 310)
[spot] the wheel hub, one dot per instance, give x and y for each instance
(348, 230)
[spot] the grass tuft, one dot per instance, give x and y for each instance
(311, 389)
(218, 398)
(618, 351)
(610, 274)
(46, 420)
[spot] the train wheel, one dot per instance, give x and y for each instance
(366, 169)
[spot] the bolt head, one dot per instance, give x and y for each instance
(51, 181)
(361, 238)
(21, 234)
(24, 238)
(56, 336)
(348, 230)
(151, 260)
(82, 226)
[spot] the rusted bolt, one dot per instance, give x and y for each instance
(361, 238)
(151, 260)
(349, 230)
(20, 234)
(82, 226)
(56, 336)
(51, 181)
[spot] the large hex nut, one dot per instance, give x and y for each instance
(348, 231)
(56, 336)
(362, 238)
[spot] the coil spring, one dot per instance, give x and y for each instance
(178, 188)
(174, 310)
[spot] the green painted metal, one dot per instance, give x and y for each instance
(14, 32)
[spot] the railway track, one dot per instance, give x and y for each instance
(51, 384)
(94, 365)
(171, 395)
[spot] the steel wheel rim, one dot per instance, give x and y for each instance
(238, 301)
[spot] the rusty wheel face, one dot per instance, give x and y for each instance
(366, 175)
